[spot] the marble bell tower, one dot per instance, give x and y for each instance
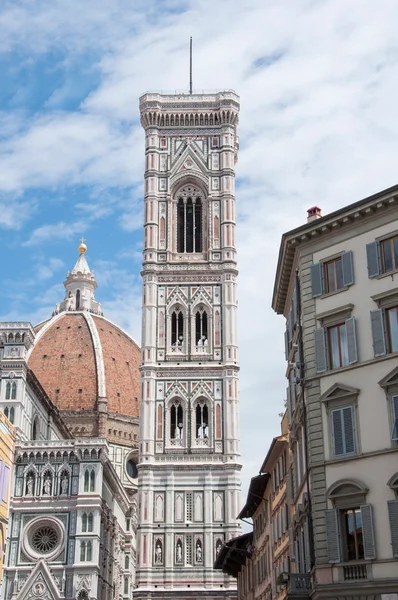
(189, 468)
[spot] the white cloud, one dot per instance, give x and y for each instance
(318, 126)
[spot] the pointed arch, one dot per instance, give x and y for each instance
(14, 390)
(12, 414)
(35, 428)
(8, 391)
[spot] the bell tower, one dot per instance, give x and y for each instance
(189, 470)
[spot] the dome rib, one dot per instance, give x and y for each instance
(99, 358)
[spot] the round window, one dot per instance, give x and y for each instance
(131, 469)
(43, 537)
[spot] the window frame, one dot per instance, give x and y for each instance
(335, 409)
(319, 276)
(330, 345)
(326, 277)
(382, 242)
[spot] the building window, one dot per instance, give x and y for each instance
(8, 391)
(126, 586)
(332, 275)
(177, 422)
(14, 391)
(382, 256)
(201, 333)
(84, 522)
(126, 563)
(336, 346)
(384, 323)
(392, 328)
(343, 431)
(6, 411)
(90, 522)
(389, 254)
(202, 422)
(35, 428)
(394, 410)
(352, 534)
(349, 525)
(177, 330)
(189, 222)
(89, 480)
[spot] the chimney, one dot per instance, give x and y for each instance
(313, 213)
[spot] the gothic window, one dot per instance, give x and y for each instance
(201, 330)
(177, 330)
(82, 595)
(77, 299)
(82, 551)
(189, 224)
(126, 586)
(35, 428)
(176, 422)
(12, 410)
(92, 481)
(6, 411)
(8, 391)
(202, 422)
(126, 563)
(84, 522)
(14, 391)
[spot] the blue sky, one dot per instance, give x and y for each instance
(318, 82)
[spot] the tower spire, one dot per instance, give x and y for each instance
(190, 65)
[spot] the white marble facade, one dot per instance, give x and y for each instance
(189, 440)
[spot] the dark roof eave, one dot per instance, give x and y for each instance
(254, 495)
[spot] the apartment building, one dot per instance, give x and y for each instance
(260, 560)
(337, 286)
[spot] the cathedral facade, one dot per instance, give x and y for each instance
(189, 470)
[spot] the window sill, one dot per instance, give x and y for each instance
(389, 274)
(355, 365)
(328, 294)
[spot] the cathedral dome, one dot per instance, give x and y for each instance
(87, 365)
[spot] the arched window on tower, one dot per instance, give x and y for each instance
(177, 330)
(12, 413)
(201, 330)
(14, 391)
(189, 224)
(35, 428)
(77, 299)
(202, 424)
(177, 424)
(8, 390)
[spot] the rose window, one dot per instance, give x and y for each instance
(44, 540)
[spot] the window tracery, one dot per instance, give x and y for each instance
(189, 220)
(201, 330)
(177, 330)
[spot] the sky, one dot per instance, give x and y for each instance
(318, 82)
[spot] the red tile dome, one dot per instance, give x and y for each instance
(89, 368)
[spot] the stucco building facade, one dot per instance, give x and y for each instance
(336, 285)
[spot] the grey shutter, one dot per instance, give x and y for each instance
(379, 339)
(294, 305)
(332, 535)
(348, 268)
(316, 280)
(372, 254)
(393, 517)
(394, 433)
(320, 350)
(368, 532)
(349, 430)
(292, 554)
(289, 404)
(286, 345)
(337, 433)
(351, 340)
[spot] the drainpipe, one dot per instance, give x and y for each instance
(302, 379)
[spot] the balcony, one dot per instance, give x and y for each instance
(355, 572)
(299, 584)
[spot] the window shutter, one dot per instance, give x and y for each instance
(316, 280)
(320, 350)
(337, 433)
(348, 268)
(379, 339)
(289, 404)
(332, 535)
(372, 254)
(349, 430)
(368, 531)
(294, 305)
(292, 554)
(351, 340)
(393, 516)
(286, 345)
(394, 433)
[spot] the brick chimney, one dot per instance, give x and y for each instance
(313, 213)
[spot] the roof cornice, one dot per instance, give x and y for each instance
(327, 225)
